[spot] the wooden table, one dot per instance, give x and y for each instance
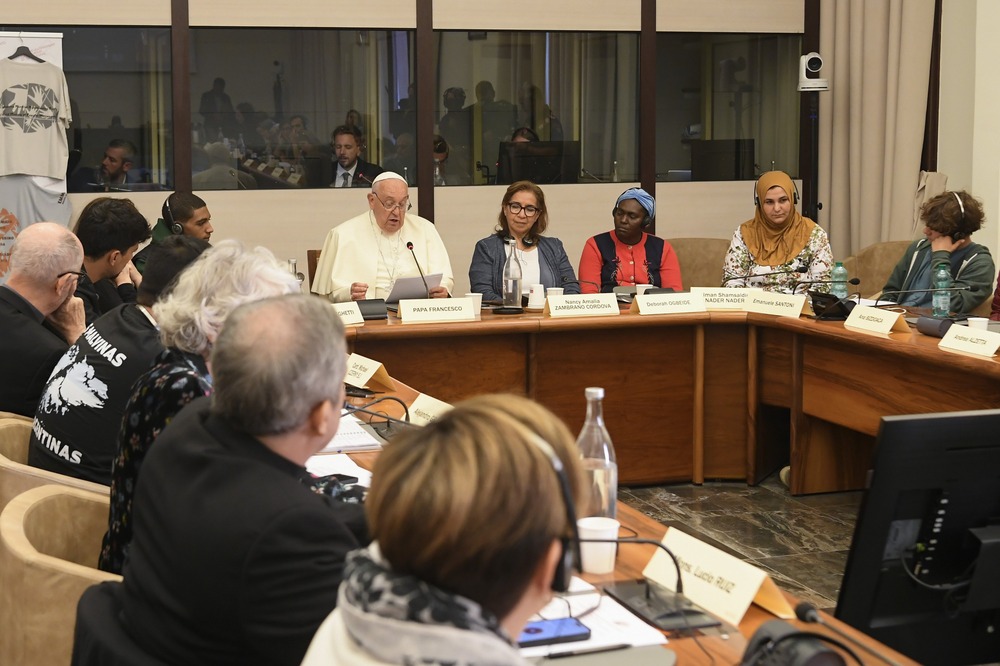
(716, 395)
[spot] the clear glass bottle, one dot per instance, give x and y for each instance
(941, 300)
(512, 276)
(614, 171)
(838, 276)
(598, 456)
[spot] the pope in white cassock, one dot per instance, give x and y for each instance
(364, 256)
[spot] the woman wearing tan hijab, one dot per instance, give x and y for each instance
(777, 241)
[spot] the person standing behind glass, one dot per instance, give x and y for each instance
(523, 217)
(777, 240)
(629, 256)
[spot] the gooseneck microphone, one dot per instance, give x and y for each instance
(362, 177)
(853, 281)
(964, 287)
(806, 612)
(391, 419)
(236, 176)
(409, 246)
(568, 280)
(800, 269)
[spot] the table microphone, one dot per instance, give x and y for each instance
(567, 280)
(806, 612)
(409, 246)
(964, 287)
(239, 183)
(363, 178)
(800, 269)
(852, 281)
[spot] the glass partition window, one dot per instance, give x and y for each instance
(552, 107)
(296, 108)
(727, 106)
(119, 87)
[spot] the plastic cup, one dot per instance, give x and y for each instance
(478, 298)
(598, 558)
(554, 291)
(982, 323)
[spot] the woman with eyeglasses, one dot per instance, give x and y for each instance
(523, 218)
(628, 256)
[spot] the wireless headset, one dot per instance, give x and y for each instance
(175, 228)
(646, 221)
(959, 235)
(795, 193)
(570, 545)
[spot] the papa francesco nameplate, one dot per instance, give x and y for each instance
(427, 310)
(581, 305)
(654, 304)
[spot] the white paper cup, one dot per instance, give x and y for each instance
(554, 291)
(598, 558)
(478, 298)
(982, 323)
(640, 289)
(536, 296)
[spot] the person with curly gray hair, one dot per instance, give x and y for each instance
(190, 319)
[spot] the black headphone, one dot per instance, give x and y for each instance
(959, 235)
(570, 555)
(795, 193)
(175, 228)
(646, 221)
(508, 238)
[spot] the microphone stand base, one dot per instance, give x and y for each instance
(659, 606)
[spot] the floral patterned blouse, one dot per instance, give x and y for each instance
(176, 378)
(816, 256)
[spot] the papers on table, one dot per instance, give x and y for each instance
(611, 624)
(351, 436)
(325, 465)
(412, 288)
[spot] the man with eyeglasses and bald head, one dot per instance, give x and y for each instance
(363, 257)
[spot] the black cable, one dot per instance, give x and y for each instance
(770, 645)
(364, 409)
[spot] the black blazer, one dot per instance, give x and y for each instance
(30, 350)
(233, 559)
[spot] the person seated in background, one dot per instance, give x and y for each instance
(110, 230)
(190, 318)
(39, 315)
(351, 170)
(523, 135)
(629, 256)
(950, 219)
(364, 256)
(461, 556)
(235, 560)
(404, 160)
(113, 172)
(80, 412)
(183, 214)
(523, 218)
(778, 248)
(222, 172)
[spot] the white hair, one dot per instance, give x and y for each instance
(44, 250)
(222, 278)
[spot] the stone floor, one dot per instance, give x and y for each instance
(802, 542)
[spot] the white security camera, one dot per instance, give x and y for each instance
(811, 63)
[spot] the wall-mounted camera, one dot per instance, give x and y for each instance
(811, 63)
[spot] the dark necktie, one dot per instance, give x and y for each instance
(346, 176)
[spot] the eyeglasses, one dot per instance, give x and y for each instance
(403, 205)
(78, 274)
(516, 209)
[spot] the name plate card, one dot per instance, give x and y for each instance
(349, 313)
(725, 298)
(426, 409)
(782, 305)
(362, 372)
(718, 582)
(654, 304)
(426, 310)
(971, 341)
(874, 320)
(581, 305)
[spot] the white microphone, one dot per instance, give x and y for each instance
(409, 246)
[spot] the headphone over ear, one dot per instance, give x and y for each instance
(795, 193)
(646, 221)
(959, 235)
(570, 555)
(175, 228)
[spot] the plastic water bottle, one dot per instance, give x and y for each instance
(598, 454)
(614, 171)
(512, 277)
(941, 300)
(838, 276)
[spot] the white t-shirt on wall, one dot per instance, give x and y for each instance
(34, 115)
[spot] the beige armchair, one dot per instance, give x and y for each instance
(701, 260)
(50, 539)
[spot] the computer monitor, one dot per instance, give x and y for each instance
(722, 159)
(541, 162)
(923, 573)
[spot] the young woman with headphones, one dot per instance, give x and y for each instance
(779, 248)
(629, 255)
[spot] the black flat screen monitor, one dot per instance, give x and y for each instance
(923, 573)
(722, 159)
(541, 162)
